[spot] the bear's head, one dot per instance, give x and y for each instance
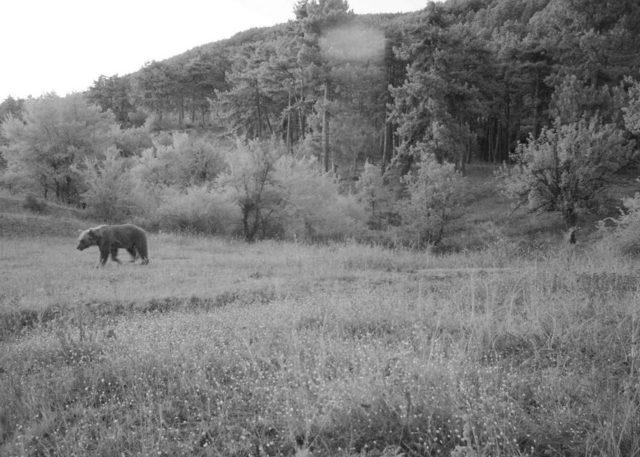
(87, 238)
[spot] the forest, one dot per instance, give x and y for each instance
(337, 125)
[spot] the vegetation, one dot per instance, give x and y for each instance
(621, 234)
(566, 166)
(550, 85)
(435, 193)
(224, 348)
(55, 134)
(339, 129)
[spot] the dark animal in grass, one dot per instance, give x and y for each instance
(110, 238)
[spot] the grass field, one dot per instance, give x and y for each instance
(220, 348)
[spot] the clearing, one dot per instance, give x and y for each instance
(219, 347)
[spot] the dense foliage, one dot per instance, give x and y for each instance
(565, 167)
(53, 138)
(462, 80)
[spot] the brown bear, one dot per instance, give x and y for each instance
(110, 238)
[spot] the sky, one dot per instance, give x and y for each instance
(63, 46)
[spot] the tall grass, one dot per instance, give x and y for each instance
(354, 351)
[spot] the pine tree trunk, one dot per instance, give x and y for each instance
(496, 152)
(325, 130)
(490, 138)
(387, 148)
(536, 120)
(266, 118)
(508, 143)
(289, 147)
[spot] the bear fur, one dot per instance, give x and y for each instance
(110, 238)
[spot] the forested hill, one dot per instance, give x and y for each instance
(457, 82)
(492, 71)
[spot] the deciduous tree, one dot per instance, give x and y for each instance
(55, 136)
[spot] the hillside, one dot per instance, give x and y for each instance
(257, 35)
(48, 219)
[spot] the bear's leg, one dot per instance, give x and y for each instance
(104, 255)
(114, 254)
(132, 253)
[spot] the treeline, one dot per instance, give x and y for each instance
(391, 106)
(472, 76)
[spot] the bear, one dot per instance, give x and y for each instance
(110, 238)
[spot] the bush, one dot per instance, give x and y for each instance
(199, 161)
(164, 139)
(376, 198)
(18, 179)
(624, 236)
(282, 196)
(313, 208)
(250, 179)
(185, 161)
(198, 210)
(112, 192)
(34, 204)
(156, 123)
(133, 141)
(137, 118)
(632, 110)
(565, 167)
(434, 194)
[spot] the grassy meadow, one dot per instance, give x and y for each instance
(221, 348)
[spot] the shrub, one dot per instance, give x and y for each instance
(133, 141)
(137, 118)
(434, 194)
(197, 209)
(111, 194)
(199, 161)
(34, 204)
(282, 196)
(623, 232)
(632, 110)
(185, 161)
(376, 198)
(18, 179)
(164, 139)
(563, 169)
(313, 208)
(250, 179)
(156, 123)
